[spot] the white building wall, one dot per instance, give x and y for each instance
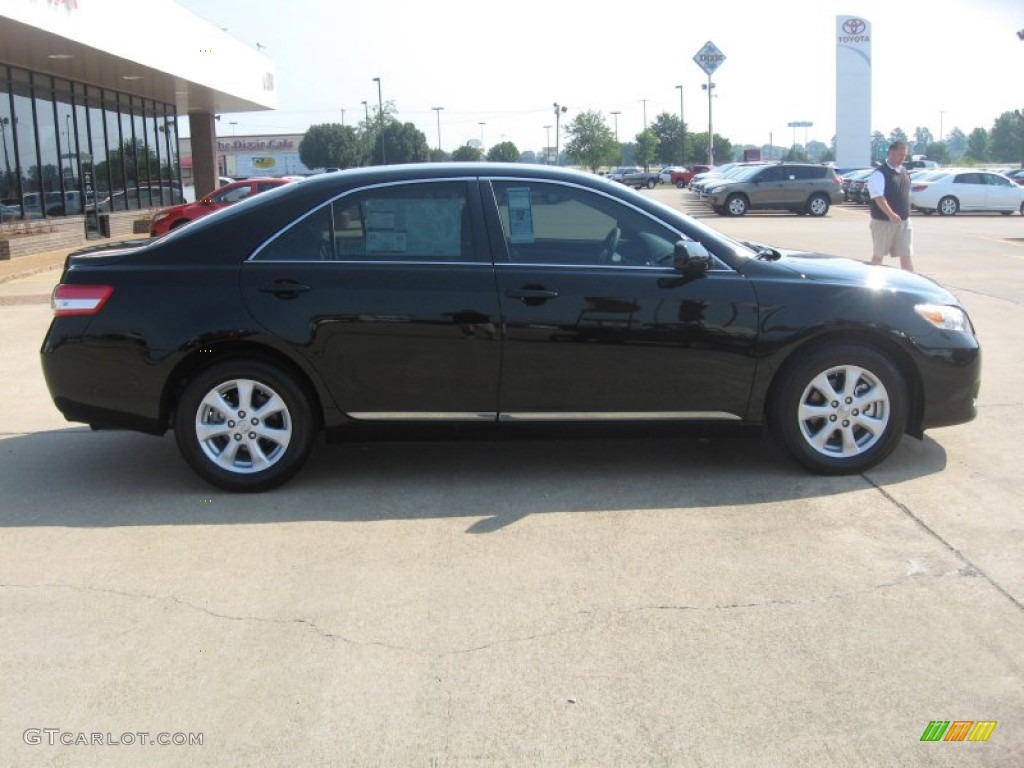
(185, 45)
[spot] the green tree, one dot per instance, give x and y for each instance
(922, 138)
(796, 154)
(669, 131)
(591, 142)
(467, 152)
(646, 148)
(331, 145)
(1006, 139)
(698, 143)
(977, 145)
(898, 135)
(439, 156)
(505, 152)
(956, 143)
(938, 152)
(879, 146)
(403, 143)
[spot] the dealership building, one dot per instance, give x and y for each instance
(91, 104)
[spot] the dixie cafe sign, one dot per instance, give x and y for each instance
(254, 143)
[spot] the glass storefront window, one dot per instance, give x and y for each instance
(68, 147)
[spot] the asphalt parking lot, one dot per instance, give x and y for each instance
(669, 601)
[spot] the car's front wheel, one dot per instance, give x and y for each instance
(840, 409)
(244, 425)
(818, 205)
(736, 205)
(948, 206)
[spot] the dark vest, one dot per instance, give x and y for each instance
(897, 193)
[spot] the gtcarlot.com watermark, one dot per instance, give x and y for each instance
(59, 737)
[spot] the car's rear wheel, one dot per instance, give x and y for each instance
(840, 409)
(818, 205)
(680, 184)
(244, 425)
(948, 206)
(651, 183)
(736, 205)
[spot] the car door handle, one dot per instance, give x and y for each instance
(284, 289)
(527, 292)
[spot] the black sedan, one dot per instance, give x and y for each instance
(492, 294)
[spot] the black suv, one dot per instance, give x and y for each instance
(797, 187)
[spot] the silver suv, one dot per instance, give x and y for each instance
(803, 188)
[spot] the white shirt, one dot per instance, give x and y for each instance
(876, 182)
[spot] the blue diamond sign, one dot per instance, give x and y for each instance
(709, 58)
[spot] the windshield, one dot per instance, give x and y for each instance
(745, 173)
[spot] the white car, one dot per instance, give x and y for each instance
(666, 173)
(953, 190)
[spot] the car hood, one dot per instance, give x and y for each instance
(840, 271)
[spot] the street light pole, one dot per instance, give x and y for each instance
(342, 117)
(547, 146)
(682, 128)
(616, 115)
(481, 124)
(645, 115)
(366, 109)
(380, 108)
(559, 111)
(709, 87)
(438, 111)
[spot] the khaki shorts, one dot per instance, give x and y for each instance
(896, 240)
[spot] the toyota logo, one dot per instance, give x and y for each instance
(854, 26)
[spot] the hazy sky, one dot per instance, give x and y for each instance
(958, 62)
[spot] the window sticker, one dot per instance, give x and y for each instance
(520, 215)
(414, 227)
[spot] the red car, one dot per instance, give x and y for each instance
(171, 218)
(682, 178)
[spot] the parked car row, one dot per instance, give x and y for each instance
(803, 188)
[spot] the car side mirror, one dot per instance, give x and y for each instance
(691, 257)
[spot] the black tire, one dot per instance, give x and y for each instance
(948, 206)
(237, 414)
(680, 184)
(818, 205)
(651, 183)
(736, 205)
(862, 401)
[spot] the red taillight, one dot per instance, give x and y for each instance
(918, 187)
(79, 299)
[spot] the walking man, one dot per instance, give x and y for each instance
(889, 190)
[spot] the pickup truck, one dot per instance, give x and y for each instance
(682, 178)
(634, 176)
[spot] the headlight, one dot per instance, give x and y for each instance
(715, 190)
(159, 217)
(944, 317)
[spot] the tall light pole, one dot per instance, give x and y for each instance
(709, 87)
(559, 111)
(644, 101)
(481, 124)
(682, 129)
(616, 116)
(342, 117)
(380, 108)
(366, 109)
(547, 145)
(438, 111)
